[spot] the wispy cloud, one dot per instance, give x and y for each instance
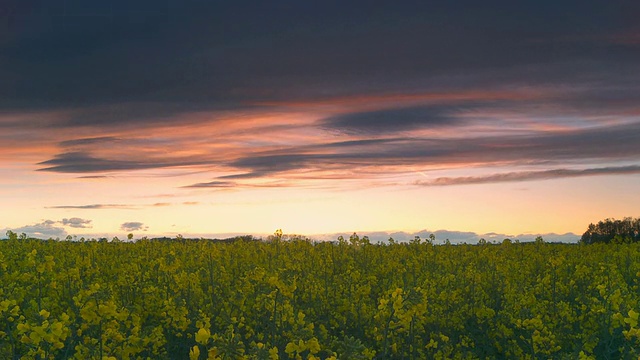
(116, 206)
(93, 206)
(395, 119)
(89, 141)
(80, 162)
(530, 175)
(212, 184)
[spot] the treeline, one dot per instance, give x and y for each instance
(614, 231)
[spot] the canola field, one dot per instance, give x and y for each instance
(295, 299)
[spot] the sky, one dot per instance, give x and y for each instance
(202, 118)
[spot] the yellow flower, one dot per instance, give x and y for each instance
(202, 336)
(194, 353)
(44, 313)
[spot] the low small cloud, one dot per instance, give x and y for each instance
(76, 222)
(455, 237)
(43, 230)
(133, 226)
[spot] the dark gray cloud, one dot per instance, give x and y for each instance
(213, 54)
(397, 119)
(621, 142)
(82, 162)
(89, 141)
(133, 226)
(530, 175)
(594, 144)
(76, 223)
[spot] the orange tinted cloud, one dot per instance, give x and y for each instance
(400, 99)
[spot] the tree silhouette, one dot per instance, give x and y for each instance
(612, 231)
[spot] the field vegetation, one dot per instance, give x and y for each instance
(290, 298)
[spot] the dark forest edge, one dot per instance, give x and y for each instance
(613, 231)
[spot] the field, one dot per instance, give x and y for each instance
(294, 299)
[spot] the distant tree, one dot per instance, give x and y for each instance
(130, 237)
(11, 235)
(354, 239)
(612, 231)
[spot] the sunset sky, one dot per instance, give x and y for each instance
(206, 118)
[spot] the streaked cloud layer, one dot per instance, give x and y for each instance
(120, 106)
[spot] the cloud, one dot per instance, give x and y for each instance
(44, 230)
(116, 206)
(184, 61)
(77, 223)
(89, 141)
(530, 175)
(133, 226)
(81, 162)
(620, 142)
(349, 89)
(397, 119)
(455, 237)
(212, 184)
(92, 206)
